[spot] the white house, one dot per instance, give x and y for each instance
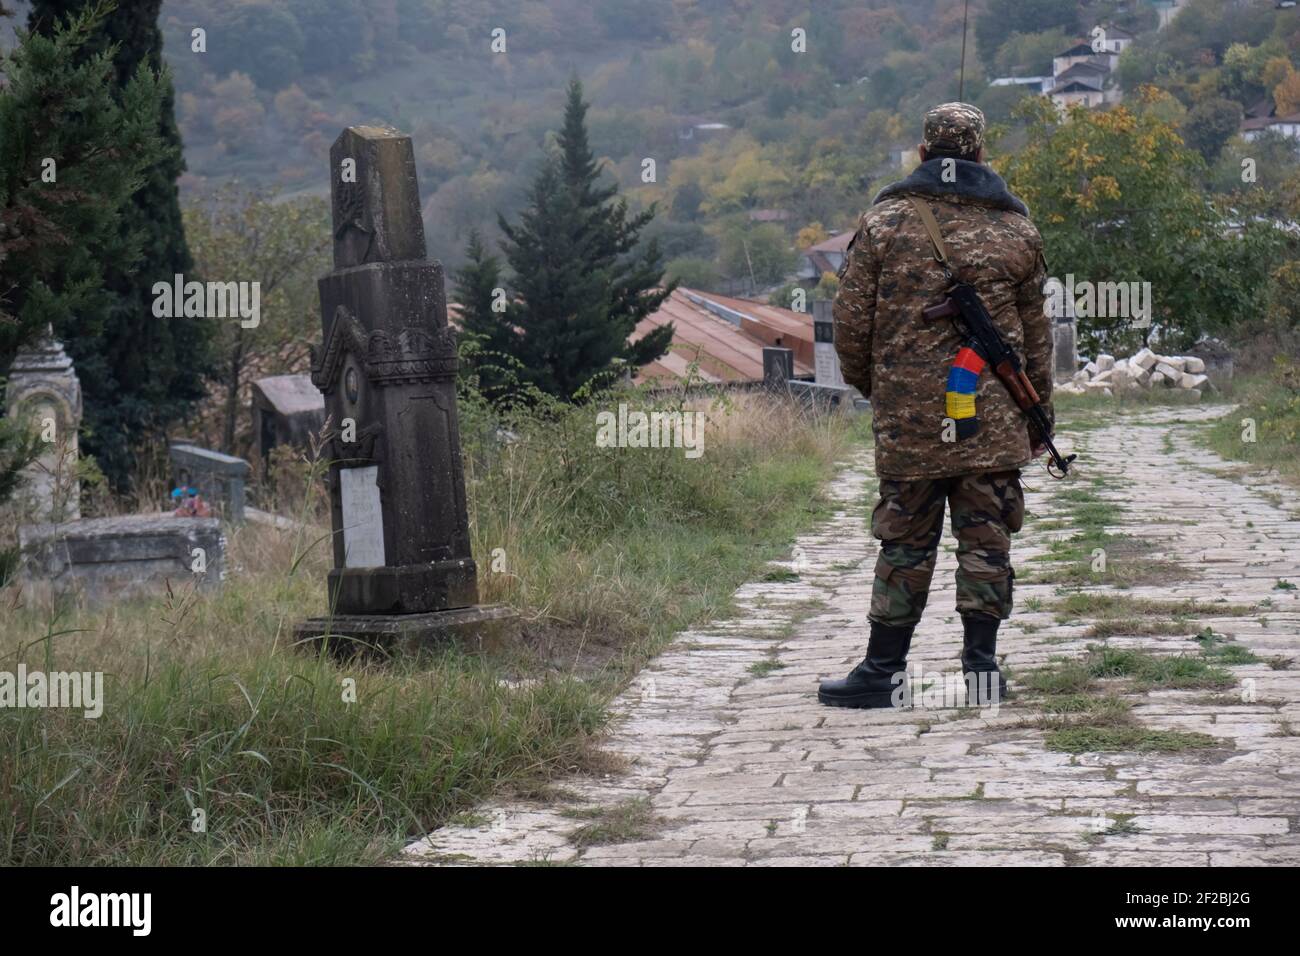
(1288, 125)
(1081, 52)
(1068, 94)
(1111, 39)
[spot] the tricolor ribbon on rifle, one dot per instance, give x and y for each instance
(963, 379)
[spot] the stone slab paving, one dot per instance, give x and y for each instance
(730, 760)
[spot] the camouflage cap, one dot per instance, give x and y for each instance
(954, 128)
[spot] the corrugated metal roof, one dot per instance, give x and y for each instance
(725, 353)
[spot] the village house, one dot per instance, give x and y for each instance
(1263, 117)
(1081, 52)
(1083, 73)
(825, 256)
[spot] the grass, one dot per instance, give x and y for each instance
(1111, 606)
(1148, 670)
(1222, 650)
(621, 823)
(1093, 739)
(1139, 628)
(1081, 714)
(1088, 412)
(1094, 554)
(209, 707)
(1264, 431)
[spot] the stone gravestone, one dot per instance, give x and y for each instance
(826, 367)
(44, 392)
(403, 573)
(778, 368)
(220, 479)
(287, 410)
(105, 560)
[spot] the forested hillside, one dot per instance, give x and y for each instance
(770, 123)
(807, 132)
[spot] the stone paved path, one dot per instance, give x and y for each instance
(731, 760)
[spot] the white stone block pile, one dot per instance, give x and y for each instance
(1183, 376)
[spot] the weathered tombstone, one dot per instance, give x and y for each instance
(44, 392)
(101, 560)
(287, 410)
(402, 564)
(826, 361)
(778, 368)
(219, 478)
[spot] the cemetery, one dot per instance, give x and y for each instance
(420, 512)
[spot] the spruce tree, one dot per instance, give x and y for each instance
(138, 372)
(488, 334)
(582, 280)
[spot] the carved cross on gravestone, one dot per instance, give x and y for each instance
(387, 369)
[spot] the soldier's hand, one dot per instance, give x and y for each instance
(1039, 451)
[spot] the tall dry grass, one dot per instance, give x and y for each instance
(213, 716)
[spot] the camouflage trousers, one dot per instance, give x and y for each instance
(908, 520)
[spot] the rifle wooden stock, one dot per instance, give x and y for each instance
(1017, 383)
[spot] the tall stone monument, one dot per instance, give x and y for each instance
(44, 392)
(403, 571)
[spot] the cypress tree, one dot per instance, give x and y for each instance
(71, 157)
(138, 372)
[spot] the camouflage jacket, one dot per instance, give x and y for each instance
(901, 361)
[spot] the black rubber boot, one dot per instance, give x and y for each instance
(872, 683)
(979, 656)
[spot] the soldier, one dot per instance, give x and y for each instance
(945, 429)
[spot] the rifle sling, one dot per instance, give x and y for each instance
(932, 228)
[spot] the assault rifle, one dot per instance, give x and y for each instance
(974, 324)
